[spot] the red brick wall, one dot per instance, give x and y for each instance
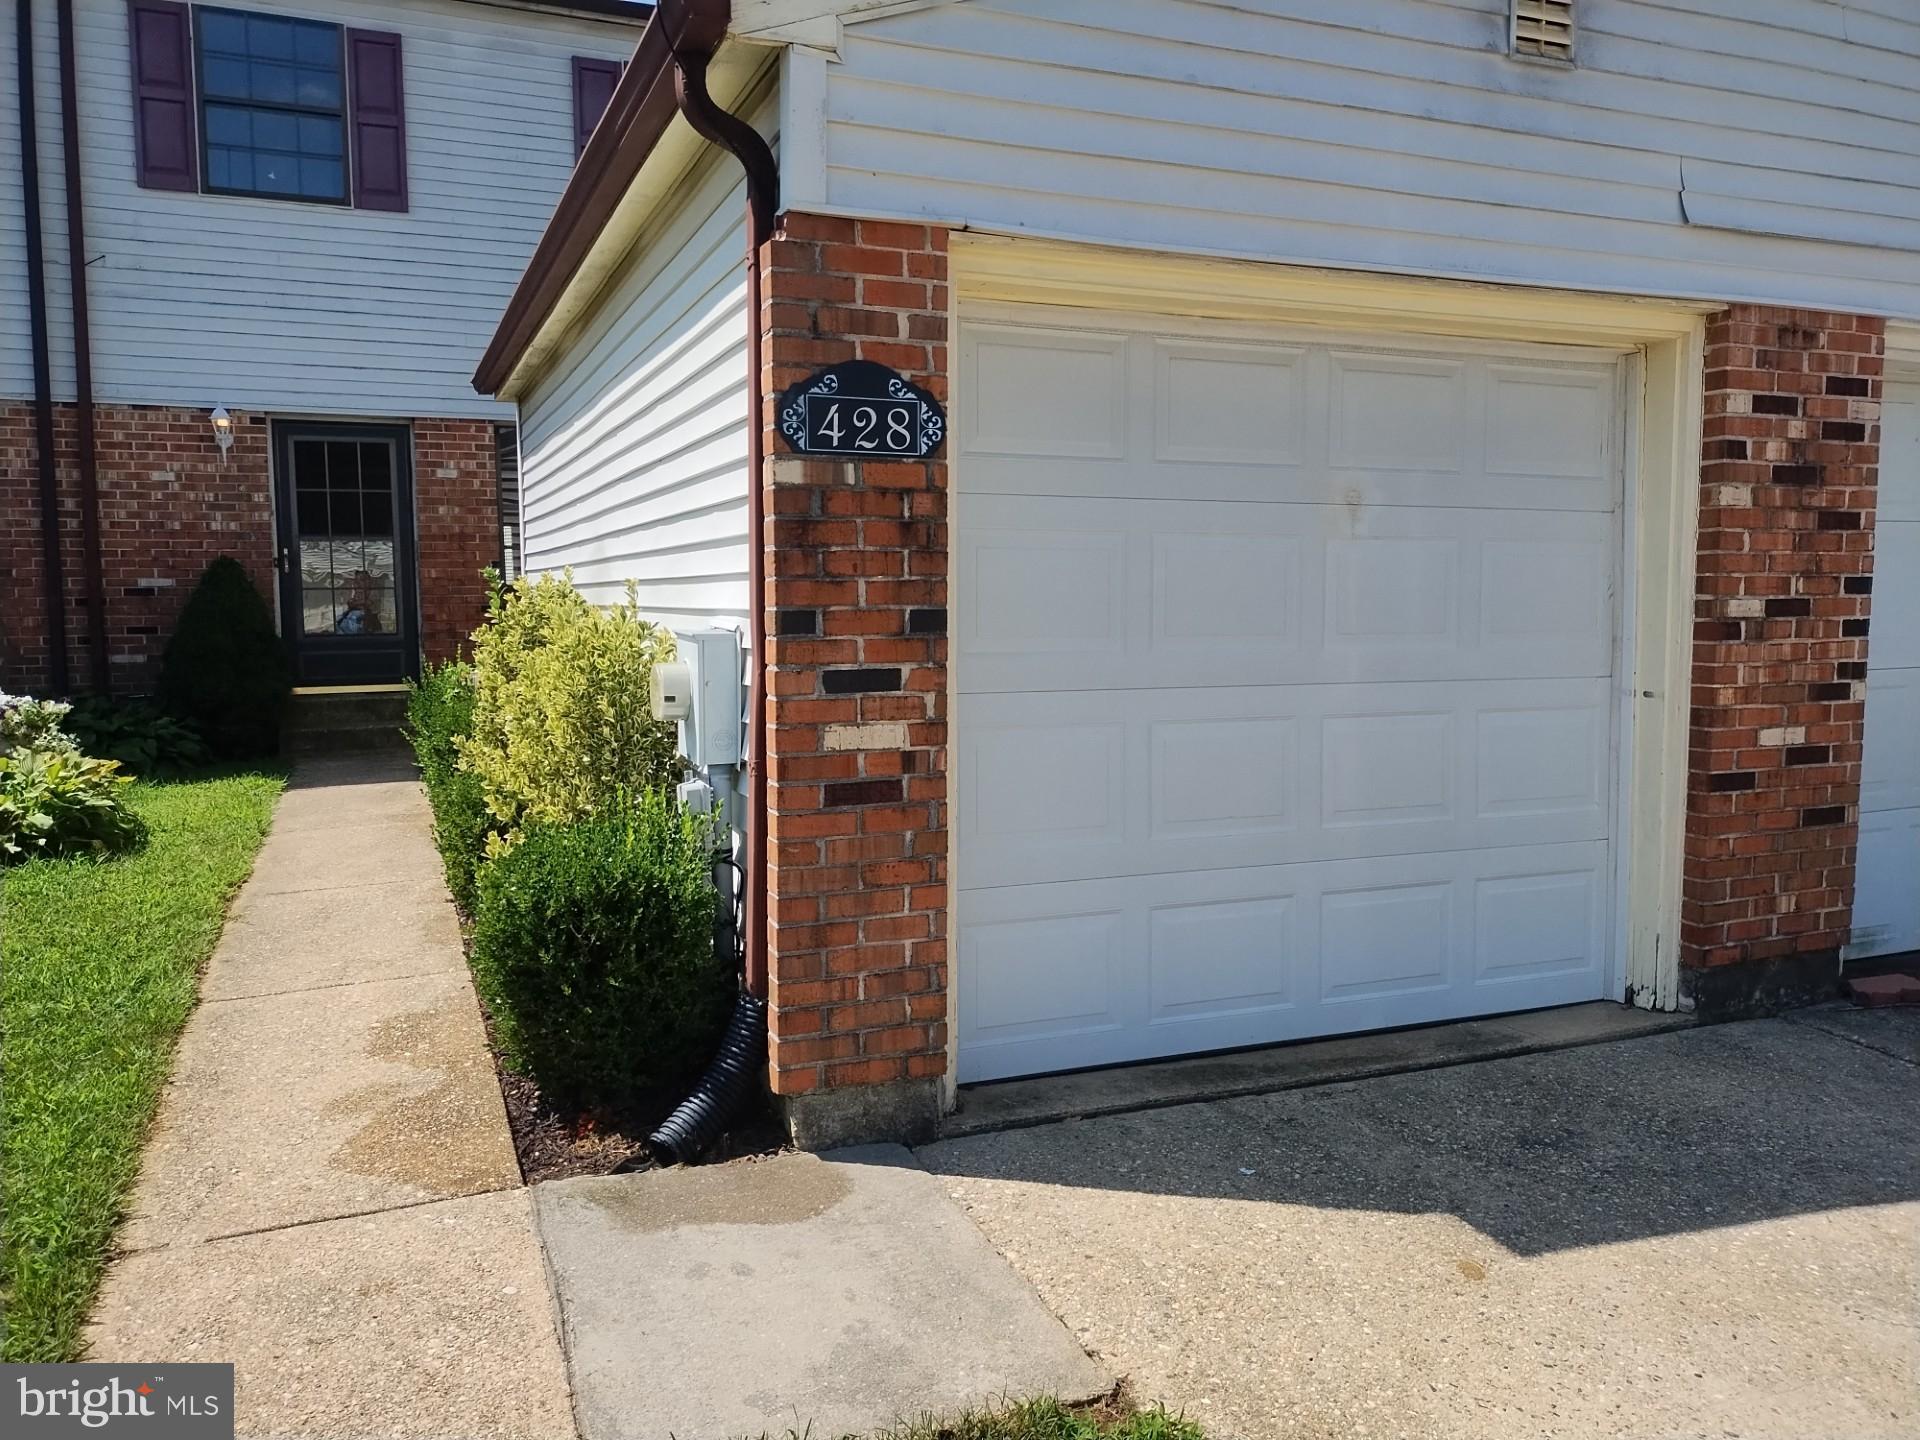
(170, 504)
(856, 598)
(458, 504)
(1780, 642)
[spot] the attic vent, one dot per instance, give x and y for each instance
(1543, 30)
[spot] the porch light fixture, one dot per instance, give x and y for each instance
(222, 430)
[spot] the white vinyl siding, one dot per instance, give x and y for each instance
(634, 443)
(1717, 150)
(274, 304)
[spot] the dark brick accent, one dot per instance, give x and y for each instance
(1854, 629)
(1776, 404)
(1796, 474)
(1730, 781)
(796, 622)
(1849, 385)
(860, 682)
(1851, 669)
(1815, 816)
(1857, 585)
(1837, 520)
(1725, 449)
(926, 622)
(1787, 606)
(1831, 691)
(1851, 432)
(863, 792)
(1809, 754)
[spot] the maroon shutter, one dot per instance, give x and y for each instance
(164, 154)
(593, 82)
(376, 95)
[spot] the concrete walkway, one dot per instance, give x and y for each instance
(330, 1197)
(1713, 1232)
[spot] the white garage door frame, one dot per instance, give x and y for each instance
(1666, 344)
(1886, 915)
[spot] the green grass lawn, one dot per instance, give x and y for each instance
(99, 965)
(1045, 1420)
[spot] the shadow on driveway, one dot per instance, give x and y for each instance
(1708, 1231)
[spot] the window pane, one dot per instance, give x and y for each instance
(230, 169)
(276, 130)
(317, 87)
(346, 513)
(320, 136)
(343, 464)
(316, 44)
(377, 512)
(376, 467)
(275, 174)
(223, 31)
(312, 505)
(268, 38)
(316, 610)
(309, 464)
(229, 125)
(321, 179)
(224, 77)
(273, 83)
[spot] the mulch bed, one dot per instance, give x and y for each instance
(555, 1144)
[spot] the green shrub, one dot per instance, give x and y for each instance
(141, 736)
(560, 717)
(56, 801)
(225, 669)
(593, 947)
(439, 712)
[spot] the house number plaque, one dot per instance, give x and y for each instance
(861, 411)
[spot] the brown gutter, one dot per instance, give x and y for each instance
(53, 569)
(642, 106)
(82, 356)
(745, 144)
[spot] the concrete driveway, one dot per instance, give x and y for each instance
(1523, 1248)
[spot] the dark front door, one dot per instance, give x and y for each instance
(346, 552)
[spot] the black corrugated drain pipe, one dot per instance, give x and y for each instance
(737, 1072)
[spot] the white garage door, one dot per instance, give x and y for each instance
(1283, 700)
(1886, 906)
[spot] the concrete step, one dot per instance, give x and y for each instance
(332, 723)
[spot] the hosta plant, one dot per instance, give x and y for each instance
(30, 724)
(60, 802)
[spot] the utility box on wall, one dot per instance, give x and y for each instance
(710, 727)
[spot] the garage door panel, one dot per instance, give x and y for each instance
(1083, 594)
(1895, 642)
(1283, 699)
(1886, 909)
(1890, 767)
(1265, 954)
(1075, 785)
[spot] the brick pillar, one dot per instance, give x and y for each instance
(856, 697)
(457, 500)
(1780, 647)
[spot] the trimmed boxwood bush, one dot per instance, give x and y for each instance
(593, 948)
(225, 670)
(439, 713)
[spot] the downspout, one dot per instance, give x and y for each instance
(53, 574)
(736, 1071)
(82, 355)
(746, 145)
